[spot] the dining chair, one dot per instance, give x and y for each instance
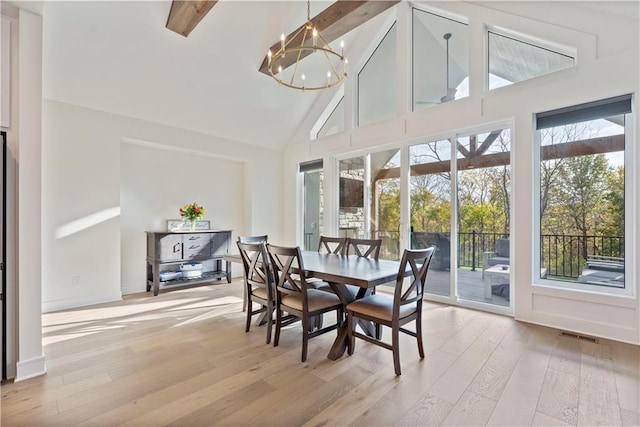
(258, 282)
(296, 297)
(368, 248)
(332, 245)
(253, 239)
(394, 311)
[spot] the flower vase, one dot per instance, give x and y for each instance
(192, 225)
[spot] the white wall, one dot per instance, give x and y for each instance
(607, 66)
(155, 183)
(29, 134)
(82, 227)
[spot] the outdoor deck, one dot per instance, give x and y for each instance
(470, 286)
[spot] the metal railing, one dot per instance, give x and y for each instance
(564, 256)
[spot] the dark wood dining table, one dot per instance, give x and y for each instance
(342, 270)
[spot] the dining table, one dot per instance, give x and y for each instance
(342, 270)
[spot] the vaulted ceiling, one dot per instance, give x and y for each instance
(118, 57)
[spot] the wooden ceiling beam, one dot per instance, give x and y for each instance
(185, 15)
(333, 22)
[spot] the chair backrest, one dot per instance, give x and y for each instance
(368, 248)
(418, 260)
(256, 267)
(288, 270)
(252, 239)
(332, 245)
(502, 247)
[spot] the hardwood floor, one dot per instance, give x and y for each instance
(183, 358)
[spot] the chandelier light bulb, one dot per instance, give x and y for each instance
(315, 37)
(328, 78)
(282, 44)
(279, 68)
(342, 48)
(269, 54)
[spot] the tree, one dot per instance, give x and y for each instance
(582, 193)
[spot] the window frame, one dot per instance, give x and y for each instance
(631, 217)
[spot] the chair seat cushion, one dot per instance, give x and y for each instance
(260, 292)
(380, 306)
(318, 300)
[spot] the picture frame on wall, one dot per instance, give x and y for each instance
(184, 225)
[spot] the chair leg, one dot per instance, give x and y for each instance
(269, 321)
(378, 331)
(395, 343)
(249, 309)
(276, 338)
(419, 337)
(306, 324)
(350, 338)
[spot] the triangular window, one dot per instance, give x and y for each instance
(335, 121)
(512, 60)
(377, 83)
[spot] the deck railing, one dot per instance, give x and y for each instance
(563, 255)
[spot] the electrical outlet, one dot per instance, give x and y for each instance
(75, 280)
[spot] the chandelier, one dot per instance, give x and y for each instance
(312, 42)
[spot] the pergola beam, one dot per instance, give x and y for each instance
(333, 22)
(600, 145)
(185, 15)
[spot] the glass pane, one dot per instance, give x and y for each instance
(377, 83)
(512, 61)
(430, 192)
(484, 205)
(351, 204)
(582, 213)
(440, 60)
(385, 196)
(313, 209)
(335, 121)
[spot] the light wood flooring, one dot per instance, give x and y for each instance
(183, 359)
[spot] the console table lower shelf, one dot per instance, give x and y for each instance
(154, 283)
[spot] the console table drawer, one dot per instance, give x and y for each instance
(191, 250)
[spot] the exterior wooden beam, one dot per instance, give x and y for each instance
(600, 145)
(185, 15)
(333, 22)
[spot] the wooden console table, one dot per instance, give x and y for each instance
(170, 250)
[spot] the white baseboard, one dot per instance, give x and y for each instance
(30, 368)
(49, 306)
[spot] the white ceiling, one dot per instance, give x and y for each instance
(118, 57)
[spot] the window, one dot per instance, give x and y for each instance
(385, 196)
(351, 213)
(312, 178)
(335, 121)
(582, 193)
(377, 83)
(512, 60)
(440, 60)
(430, 209)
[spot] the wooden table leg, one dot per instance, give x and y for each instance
(340, 344)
